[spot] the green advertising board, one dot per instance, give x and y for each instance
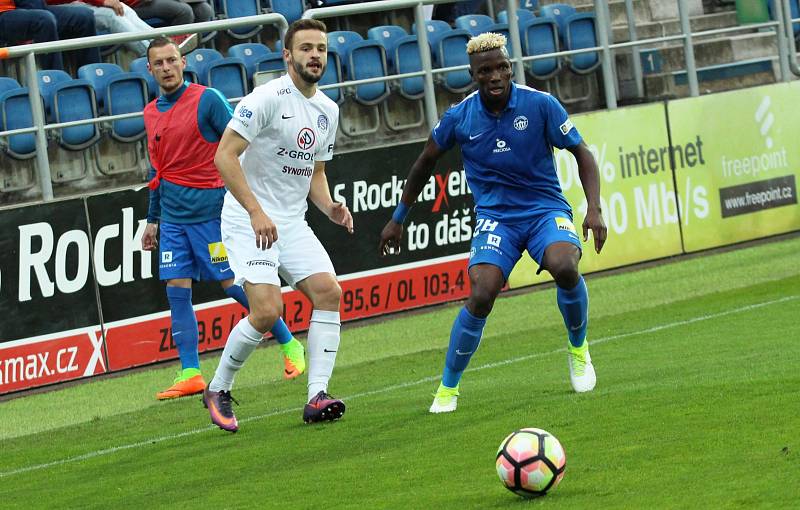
(631, 146)
(745, 186)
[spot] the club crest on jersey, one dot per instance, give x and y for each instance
(305, 138)
(521, 123)
(322, 122)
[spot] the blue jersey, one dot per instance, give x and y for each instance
(508, 159)
(174, 203)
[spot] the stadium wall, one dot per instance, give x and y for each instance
(80, 298)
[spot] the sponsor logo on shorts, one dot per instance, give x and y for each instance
(166, 257)
(217, 252)
(565, 224)
(267, 263)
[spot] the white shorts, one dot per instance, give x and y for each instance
(296, 255)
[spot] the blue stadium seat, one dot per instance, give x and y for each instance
(333, 74)
(523, 16)
(449, 47)
(139, 66)
(75, 100)
(539, 37)
(250, 53)
(48, 79)
(560, 13)
(226, 74)
(407, 59)
(580, 33)
(271, 62)
(474, 23)
(7, 84)
(292, 10)
(127, 95)
(15, 113)
(531, 5)
(387, 36)
(118, 92)
(241, 9)
(361, 59)
(794, 8)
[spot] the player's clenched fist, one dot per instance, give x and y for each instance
(390, 239)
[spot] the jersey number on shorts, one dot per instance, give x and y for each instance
(484, 225)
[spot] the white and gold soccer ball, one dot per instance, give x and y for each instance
(530, 462)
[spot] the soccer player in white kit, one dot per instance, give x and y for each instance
(272, 158)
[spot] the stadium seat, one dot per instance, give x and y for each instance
(250, 53)
(241, 9)
(474, 23)
(48, 79)
(271, 62)
(539, 37)
(139, 66)
(580, 33)
(333, 74)
(75, 100)
(361, 59)
(408, 61)
(292, 10)
(387, 36)
(794, 11)
(402, 56)
(127, 95)
(523, 16)
(559, 13)
(7, 84)
(226, 74)
(15, 113)
(449, 47)
(118, 92)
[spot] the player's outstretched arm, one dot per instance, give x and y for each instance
(320, 195)
(590, 180)
(226, 159)
(417, 177)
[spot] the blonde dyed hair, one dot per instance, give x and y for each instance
(487, 41)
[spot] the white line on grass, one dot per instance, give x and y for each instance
(388, 389)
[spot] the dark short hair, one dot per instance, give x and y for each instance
(160, 41)
(302, 24)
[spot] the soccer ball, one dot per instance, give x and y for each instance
(530, 462)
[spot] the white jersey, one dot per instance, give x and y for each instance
(287, 133)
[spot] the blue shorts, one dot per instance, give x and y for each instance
(193, 250)
(502, 245)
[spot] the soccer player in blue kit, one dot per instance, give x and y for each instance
(507, 133)
(184, 127)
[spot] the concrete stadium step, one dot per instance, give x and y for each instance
(655, 29)
(707, 52)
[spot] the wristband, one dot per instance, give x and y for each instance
(400, 213)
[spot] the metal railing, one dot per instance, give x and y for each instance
(782, 26)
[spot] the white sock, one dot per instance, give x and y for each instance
(323, 342)
(242, 341)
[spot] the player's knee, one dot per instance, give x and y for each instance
(481, 301)
(328, 296)
(565, 273)
(264, 315)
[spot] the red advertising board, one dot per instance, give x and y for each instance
(51, 359)
(144, 340)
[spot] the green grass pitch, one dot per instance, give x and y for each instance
(697, 405)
